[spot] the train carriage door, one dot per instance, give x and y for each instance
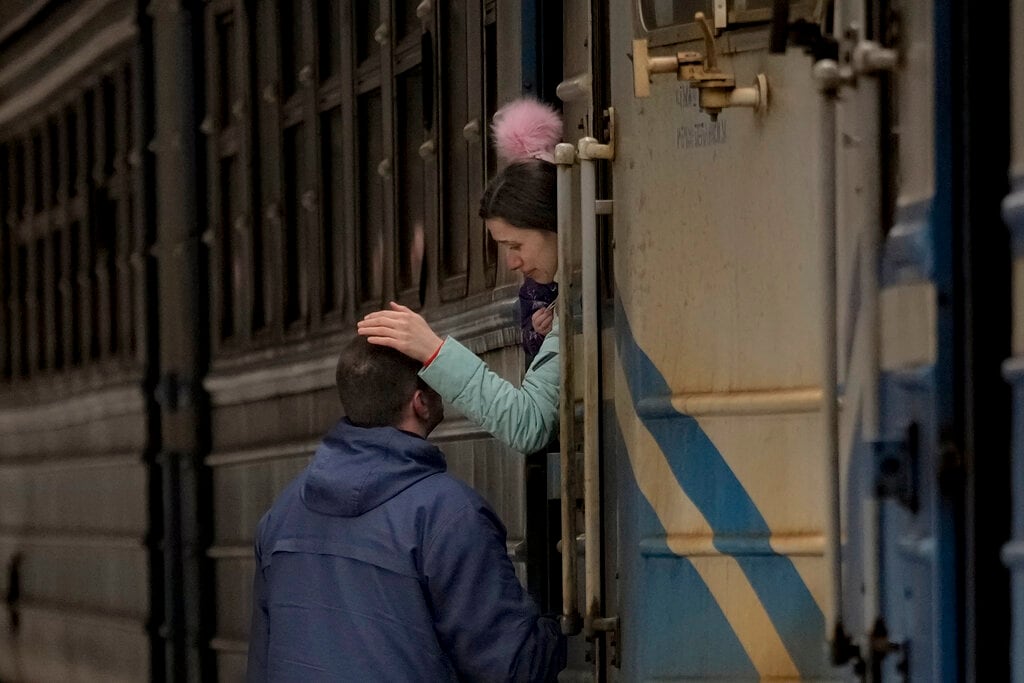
(721, 566)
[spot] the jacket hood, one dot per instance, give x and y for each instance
(356, 469)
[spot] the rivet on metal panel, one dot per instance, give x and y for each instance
(471, 131)
(575, 88)
(384, 168)
(269, 94)
(309, 200)
(306, 75)
(427, 149)
(381, 35)
(424, 9)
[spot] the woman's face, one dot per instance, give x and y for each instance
(534, 253)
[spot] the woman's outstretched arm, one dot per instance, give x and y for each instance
(525, 418)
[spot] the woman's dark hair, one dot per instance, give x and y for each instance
(523, 194)
(375, 382)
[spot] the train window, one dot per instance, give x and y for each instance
(227, 248)
(66, 290)
(5, 268)
(461, 136)
(370, 236)
(75, 275)
(490, 247)
(294, 276)
(406, 21)
(328, 41)
(330, 188)
(665, 22)
(39, 275)
(334, 225)
(367, 15)
(409, 186)
(58, 277)
(657, 14)
(21, 273)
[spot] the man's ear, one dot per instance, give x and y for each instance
(420, 405)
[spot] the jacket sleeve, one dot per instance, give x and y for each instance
(526, 417)
(259, 632)
(485, 620)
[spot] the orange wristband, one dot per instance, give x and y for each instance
(433, 355)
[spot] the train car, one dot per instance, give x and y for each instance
(790, 258)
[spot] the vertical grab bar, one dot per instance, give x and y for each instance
(826, 74)
(589, 150)
(565, 158)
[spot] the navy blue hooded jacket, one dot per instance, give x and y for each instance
(374, 564)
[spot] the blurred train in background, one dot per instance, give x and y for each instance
(793, 241)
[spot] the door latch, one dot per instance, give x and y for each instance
(897, 468)
(717, 89)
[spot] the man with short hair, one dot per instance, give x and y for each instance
(374, 564)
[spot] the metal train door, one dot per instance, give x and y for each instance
(722, 529)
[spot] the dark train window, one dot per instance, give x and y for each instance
(329, 39)
(39, 275)
(227, 248)
(367, 15)
(22, 303)
(410, 183)
(666, 22)
(53, 162)
(294, 282)
(406, 21)
(37, 171)
(330, 190)
(463, 136)
(332, 156)
(663, 13)
(226, 56)
(293, 45)
(59, 279)
(71, 150)
(66, 286)
(75, 275)
(370, 236)
(5, 267)
(490, 250)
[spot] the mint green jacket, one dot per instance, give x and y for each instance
(525, 417)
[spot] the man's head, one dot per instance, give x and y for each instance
(380, 387)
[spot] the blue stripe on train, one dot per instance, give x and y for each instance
(710, 483)
(671, 618)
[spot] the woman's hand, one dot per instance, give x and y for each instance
(402, 329)
(543, 319)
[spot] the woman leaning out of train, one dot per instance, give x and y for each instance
(519, 209)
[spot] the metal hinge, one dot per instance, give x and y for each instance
(610, 626)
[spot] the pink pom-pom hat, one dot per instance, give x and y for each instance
(526, 129)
